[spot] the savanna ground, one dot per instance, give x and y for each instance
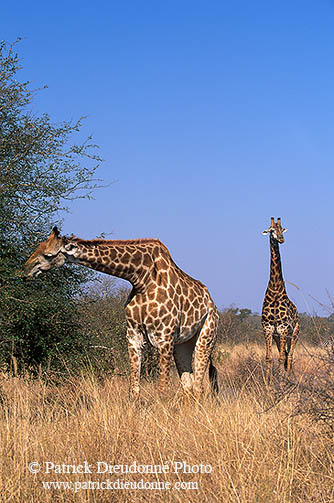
(259, 450)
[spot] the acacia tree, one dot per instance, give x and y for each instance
(40, 171)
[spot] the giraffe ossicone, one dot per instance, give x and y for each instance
(280, 320)
(166, 306)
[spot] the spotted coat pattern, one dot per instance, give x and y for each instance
(280, 320)
(166, 307)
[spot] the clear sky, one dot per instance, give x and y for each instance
(212, 116)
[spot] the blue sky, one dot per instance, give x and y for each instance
(211, 116)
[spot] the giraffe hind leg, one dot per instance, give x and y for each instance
(213, 376)
(183, 355)
(202, 354)
(277, 340)
(287, 351)
(284, 336)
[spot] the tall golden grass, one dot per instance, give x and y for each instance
(258, 453)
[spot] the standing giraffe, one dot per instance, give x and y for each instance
(280, 320)
(171, 310)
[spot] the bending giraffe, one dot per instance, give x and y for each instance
(171, 310)
(280, 320)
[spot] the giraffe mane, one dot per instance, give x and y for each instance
(94, 242)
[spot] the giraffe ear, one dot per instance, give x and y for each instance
(54, 233)
(265, 232)
(284, 230)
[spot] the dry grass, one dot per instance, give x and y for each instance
(255, 456)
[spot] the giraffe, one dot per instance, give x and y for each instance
(166, 307)
(280, 320)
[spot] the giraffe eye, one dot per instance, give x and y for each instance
(48, 255)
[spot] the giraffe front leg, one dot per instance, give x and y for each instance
(268, 334)
(283, 336)
(166, 347)
(294, 338)
(135, 343)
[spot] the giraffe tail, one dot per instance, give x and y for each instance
(213, 376)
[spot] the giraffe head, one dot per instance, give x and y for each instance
(276, 230)
(48, 255)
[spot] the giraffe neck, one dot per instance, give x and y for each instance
(276, 281)
(126, 260)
